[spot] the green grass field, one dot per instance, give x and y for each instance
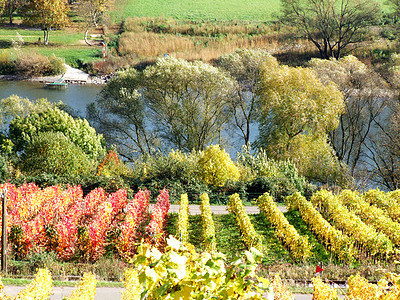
(251, 10)
(63, 43)
(254, 10)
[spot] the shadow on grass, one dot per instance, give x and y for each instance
(5, 44)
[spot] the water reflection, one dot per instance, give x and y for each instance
(75, 96)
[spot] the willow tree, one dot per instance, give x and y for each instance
(174, 103)
(188, 102)
(296, 110)
(46, 14)
(244, 65)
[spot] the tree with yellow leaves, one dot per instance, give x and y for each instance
(295, 106)
(46, 14)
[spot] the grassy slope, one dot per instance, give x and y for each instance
(230, 242)
(63, 43)
(254, 10)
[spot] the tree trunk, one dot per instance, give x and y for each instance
(46, 36)
(86, 40)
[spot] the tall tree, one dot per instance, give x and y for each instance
(331, 25)
(244, 65)
(10, 7)
(364, 93)
(174, 103)
(188, 101)
(46, 14)
(120, 113)
(92, 12)
(297, 110)
(292, 102)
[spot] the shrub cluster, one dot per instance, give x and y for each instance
(31, 64)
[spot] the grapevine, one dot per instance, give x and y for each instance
(334, 239)
(207, 224)
(183, 219)
(374, 242)
(298, 245)
(250, 236)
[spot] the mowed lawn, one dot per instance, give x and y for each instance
(244, 10)
(63, 43)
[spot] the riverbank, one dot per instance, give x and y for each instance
(71, 76)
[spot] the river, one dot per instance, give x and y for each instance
(76, 96)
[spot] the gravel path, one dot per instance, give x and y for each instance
(219, 209)
(101, 293)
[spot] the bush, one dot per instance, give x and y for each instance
(7, 66)
(216, 167)
(53, 153)
(34, 64)
(78, 131)
(4, 172)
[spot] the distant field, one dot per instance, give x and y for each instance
(256, 10)
(245, 10)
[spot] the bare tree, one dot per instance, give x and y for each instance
(331, 25)
(244, 65)
(92, 12)
(364, 93)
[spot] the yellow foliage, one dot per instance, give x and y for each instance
(132, 286)
(298, 245)
(281, 292)
(216, 167)
(86, 288)
(39, 289)
(250, 236)
(323, 291)
(183, 219)
(208, 224)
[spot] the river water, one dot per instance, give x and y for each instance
(76, 96)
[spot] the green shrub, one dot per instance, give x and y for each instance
(53, 153)
(261, 166)
(78, 131)
(4, 171)
(57, 65)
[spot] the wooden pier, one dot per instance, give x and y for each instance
(58, 84)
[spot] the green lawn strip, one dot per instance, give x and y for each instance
(24, 282)
(63, 37)
(73, 54)
(228, 236)
(274, 249)
(320, 253)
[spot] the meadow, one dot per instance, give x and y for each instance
(254, 10)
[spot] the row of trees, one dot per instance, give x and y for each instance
(335, 119)
(189, 105)
(53, 14)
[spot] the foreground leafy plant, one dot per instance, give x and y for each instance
(182, 273)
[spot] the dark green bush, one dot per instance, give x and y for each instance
(53, 153)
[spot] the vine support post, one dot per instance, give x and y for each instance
(3, 195)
